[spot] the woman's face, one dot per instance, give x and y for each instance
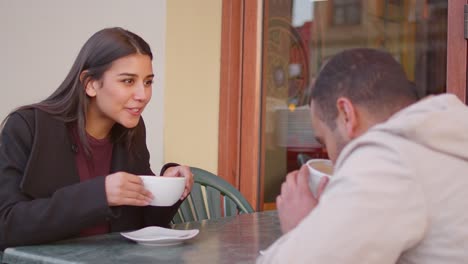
(121, 95)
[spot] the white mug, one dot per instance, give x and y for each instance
(318, 168)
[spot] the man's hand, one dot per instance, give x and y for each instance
(181, 171)
(296, 200)
(126, 189)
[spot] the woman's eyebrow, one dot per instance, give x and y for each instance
(134, 75)
(128, 74)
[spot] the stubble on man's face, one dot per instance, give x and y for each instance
(330, 138)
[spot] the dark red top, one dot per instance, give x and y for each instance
(90, 167)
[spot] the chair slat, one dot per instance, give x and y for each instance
(230, 208)
(206, 205)
(186, 210)
(214, 203)
(177, 219)
(198, 202)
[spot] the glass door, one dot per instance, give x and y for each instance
(299, 36)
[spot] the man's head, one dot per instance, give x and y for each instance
(355, 90)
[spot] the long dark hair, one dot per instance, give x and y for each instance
(69, 103)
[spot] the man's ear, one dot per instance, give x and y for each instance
(348, 117)
(89, 84)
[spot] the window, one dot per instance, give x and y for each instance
(347, 12)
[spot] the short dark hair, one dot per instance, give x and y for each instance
(367, 77)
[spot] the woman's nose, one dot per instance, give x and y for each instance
(140, 93)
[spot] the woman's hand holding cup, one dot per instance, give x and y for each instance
(181, 171)
(126, 189)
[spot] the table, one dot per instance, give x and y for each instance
(235, 239)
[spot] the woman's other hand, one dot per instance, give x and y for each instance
(126, 189)
(181, 171)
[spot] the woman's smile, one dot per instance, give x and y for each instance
(135, 111)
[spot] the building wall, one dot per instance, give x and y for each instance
(40, 40)
(191, 102)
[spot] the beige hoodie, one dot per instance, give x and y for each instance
(399, 195)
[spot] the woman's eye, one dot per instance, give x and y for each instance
(128, 81)
(149, 82)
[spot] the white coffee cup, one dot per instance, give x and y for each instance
(318, 168)
(166, 190)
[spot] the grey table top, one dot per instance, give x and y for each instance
(224, 240)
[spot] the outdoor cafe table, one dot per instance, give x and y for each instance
(224, 240)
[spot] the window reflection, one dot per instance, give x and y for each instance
(300, 36)
(346, 12)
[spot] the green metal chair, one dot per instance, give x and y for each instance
(211, 197)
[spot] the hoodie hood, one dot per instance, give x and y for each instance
(437, 122)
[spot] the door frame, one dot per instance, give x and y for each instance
(456, 45)
(240, 90)
(240, 118)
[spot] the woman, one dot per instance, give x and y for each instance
(69, 164)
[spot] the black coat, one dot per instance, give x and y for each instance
(41, 196)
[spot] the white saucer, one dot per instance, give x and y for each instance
(159, 236)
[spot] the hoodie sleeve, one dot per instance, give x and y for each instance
(371, 212)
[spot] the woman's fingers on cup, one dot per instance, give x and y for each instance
(184, 171)
(185, 194)
(145, 193)
(171, 172)
(187, 173)
(134, 202)
(134, 199)
(187, 190)
(139, 188)
(133, 178)
(143, 196)
(177, 171)
(189, 181)
(139, 197)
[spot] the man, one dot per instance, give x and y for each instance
(399, 193)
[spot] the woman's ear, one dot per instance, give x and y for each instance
(88, 83)
(348, 116)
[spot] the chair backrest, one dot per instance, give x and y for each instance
(211, 197)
